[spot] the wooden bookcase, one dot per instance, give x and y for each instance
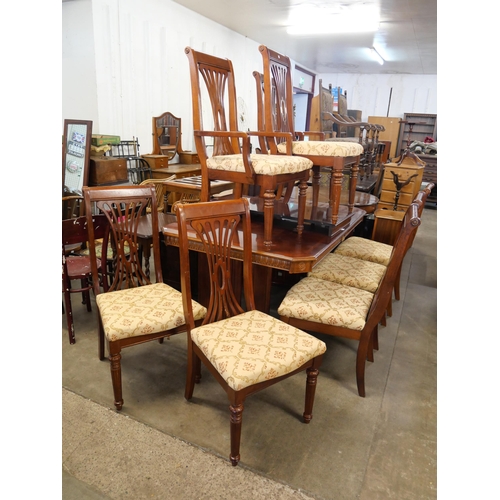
(424, 125)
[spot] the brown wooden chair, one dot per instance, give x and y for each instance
(332, 308)
(245, 350)
(133, 310)
(335, 156)
(378, 252)
(161, 192)
(78, 267)
(365, 201)
(212, 81)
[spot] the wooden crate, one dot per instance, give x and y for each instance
(106, 170)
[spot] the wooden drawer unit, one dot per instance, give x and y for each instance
(107, 170)
(156, 161)
(430, 174)
(188, 157)
(407, 193)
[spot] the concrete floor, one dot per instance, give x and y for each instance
(161, 446)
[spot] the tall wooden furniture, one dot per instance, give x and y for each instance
(244, 349)
(331, 308)
(166, 135)
(430, 174)
(133, 310)
(416, 127)
(335, 156)
(212, 79)
(401, 182)
(390, 133)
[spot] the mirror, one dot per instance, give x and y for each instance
(77, 137)
(166, 135)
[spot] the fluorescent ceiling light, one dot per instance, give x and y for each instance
(311, 19)
(377, 56)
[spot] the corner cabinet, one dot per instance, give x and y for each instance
(417, 127)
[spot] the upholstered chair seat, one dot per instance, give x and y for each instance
(262, 164)
(321, 301)
(365, 249)
(254, 347)
(324, 148)
(143, 310)
(350, 271)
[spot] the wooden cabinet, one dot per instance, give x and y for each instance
(416, 126)
(407, 194)
(156, 161)
(430, 174)
(391, 132)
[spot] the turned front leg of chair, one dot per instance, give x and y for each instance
(301, 206)
(116, 373)
(236, 420)
(336, 187)
(353, 180)
(316, 178)
(312, 380)
(269, 197)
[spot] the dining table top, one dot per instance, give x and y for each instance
(288, 251)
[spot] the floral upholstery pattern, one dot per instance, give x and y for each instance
(364, 249)
(262, 164)
(253, 347)
(349, 271)
(324, 148)
(321, 301)
(98, 250)
(143, 310)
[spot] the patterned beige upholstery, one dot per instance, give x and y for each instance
(350, 271)
(123, 312)
(262, 164)
(253, 347)
(364, 249)
(321, 301)
(323, 148)
(98, 250)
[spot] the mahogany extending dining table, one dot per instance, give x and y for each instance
(288, 252)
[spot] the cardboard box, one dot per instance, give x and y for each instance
(100, 140)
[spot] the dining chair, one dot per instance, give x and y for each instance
(375, 251)
(335, 156)
(161, 192)
(78, 267)
(244, 349)
(332, 308)
(133, 310)
(213, 82)
(361, 200)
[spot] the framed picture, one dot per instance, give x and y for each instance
(77, 138)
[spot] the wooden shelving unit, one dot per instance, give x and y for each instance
(423, 125)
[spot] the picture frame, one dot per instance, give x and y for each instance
(77, 138)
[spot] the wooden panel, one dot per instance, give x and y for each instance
(391, 132)
(408, 192)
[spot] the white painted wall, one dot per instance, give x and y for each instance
(124, 62)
